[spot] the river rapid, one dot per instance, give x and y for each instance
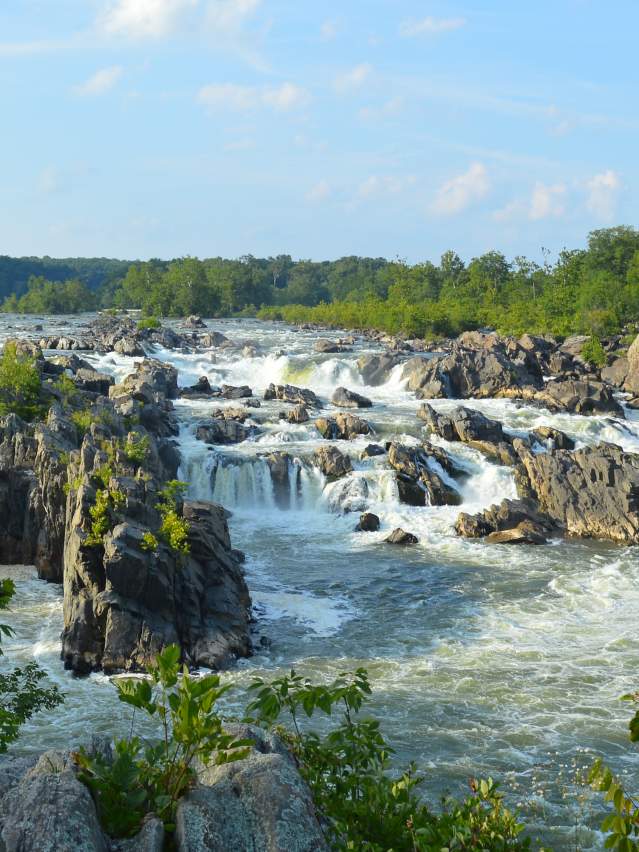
(485, 660)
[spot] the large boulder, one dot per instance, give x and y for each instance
(580, 397)
(129, 346)
(332, 462)
(420, 475)
(520, 519)
(223, 430)
(327, 346)
(632, 379)
(343, 427)
(376, 369)
(473, 428)
(344, 398)
(150, 380)
(291, 394)
(401, 537)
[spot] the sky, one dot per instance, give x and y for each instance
(394, 128)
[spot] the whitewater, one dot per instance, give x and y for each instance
(485, 659)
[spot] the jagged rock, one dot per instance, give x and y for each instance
(372, 450)
(631, 383)
(376, 369)
(280, 465)
(580, 397)
(194, 322)
(368, 522)
(233, 392)
(343, 427)
(327, 346)
(505, 517)
(573, 345)
(24, 347)
(152, 379)
(298, 415)
(473, 428)
(128, 346)
(349, 494)
(345, 398)
(557, 440)
(200, 390)
(523, 534)
(231, 413)
(292, 394)
(223, 431)
(616, 373)
(91, 380)
(593, 492)
(259, 803)
(400, 536)
(333, 463)
(418, 481)
(213, 338)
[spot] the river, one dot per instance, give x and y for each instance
(485, 660)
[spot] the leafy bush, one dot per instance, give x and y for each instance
(136, 448)
(174, 529)
(149, 322)
(21, 692)
(149, 542)
(622, 825)
(151, 778)
(104, 514)
(593, 352)
(82, 421)
(348, 770)
(20, 385)
(66, 388)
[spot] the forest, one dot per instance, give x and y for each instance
(592, 290)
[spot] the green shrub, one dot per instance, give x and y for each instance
(348, 770)
(149, 322)
(66, 388)
(152, 778)
(136, 448)
(103, 512)
(174, 529)
(21, 692)
(593, 352)
(149, 542)
(20, 384)
(82, 421)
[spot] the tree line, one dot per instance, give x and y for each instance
(592, 290)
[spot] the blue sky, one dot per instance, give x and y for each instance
(160, 128)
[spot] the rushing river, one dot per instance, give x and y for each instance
(486, 660)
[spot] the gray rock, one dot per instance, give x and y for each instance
(292, 394)
(401, 537)
(232, 392)
(418, 480)
(376, 369)
(343, 427)
(372, 450)
(333, 463)
(327, 346)
(129, 346)
(368, 522)
(345, 398)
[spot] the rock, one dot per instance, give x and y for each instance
(345, 398)
(292, 394)
(524, 515)
(201, 389)
(212, 339)
(194, 322)
(573, 345)
(523, 534)
(399, 536)
(344, 427)
(230, 413)
(123, 604)
(232, 392)
(128, 346)
(91, 380)
(281, 468)
(372, 450)
(333, 463)
(150, 838)
(553, 438)
(50, 813)
(580, 397)
(616, 373)
(327, 346)
(593, 492)
(298, 415)
(631, 383)
(24, 348)
(368, 522)
(151, 379)
(349, 494)
(259, 803)
(223, 431)
(375, 369)
(418, 481)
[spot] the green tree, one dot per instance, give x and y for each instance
(20, 384)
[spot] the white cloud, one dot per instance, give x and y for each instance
(329, 30)
(229, 16)
(388, 109)
(377, 185)
(50, 181)
(353, 79)
(282, 98)
(144, 18)
(460, 192)
(100, 82)
(319, 192)
(603, 190)
(430, 26)
(547, 201)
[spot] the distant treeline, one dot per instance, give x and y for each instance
(595, 290)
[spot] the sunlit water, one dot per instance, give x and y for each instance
(485, 659)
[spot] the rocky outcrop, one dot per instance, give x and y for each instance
(420, 473)
(376, 369)
(151, 379)
(299, 414)
(344, 398)
(372, 450)
(368, 522)
(194, 321)
(342, 427)
(332, 462)
(631, 383)
(580, 397)
(291, 394)
(200, 390)
(401, 537)
(473, 428)
(511, 522)
(235, 392)
(327, 346)
(223, 430)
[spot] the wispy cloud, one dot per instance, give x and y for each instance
(462, 191)
(547, 201)
(139, 19)
(379, 185)
(229, 16)
(319, 192)
(282, 98)
(430, 26)
(603, 190)
(354, 78)
(100, 82)
(31, 48)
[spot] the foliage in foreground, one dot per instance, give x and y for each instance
(151, 778)
(21, 691)
(20, 384)
(363, 806)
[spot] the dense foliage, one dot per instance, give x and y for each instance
(15, 272)
(20, 384)
(363, 805)
(51, 297)
(152, 777)
(21, 691)
(594, 290)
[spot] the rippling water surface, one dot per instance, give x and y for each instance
(485, 659)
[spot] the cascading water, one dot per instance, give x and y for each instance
(484, 659)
